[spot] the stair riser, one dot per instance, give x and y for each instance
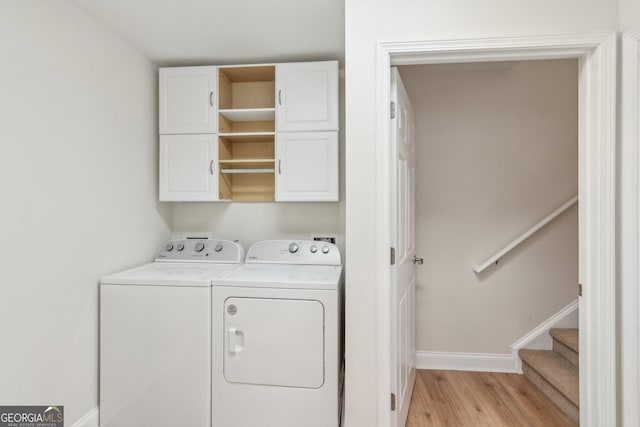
(551, 392)
(566, 352)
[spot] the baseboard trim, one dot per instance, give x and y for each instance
(90, 419)
(478, 362)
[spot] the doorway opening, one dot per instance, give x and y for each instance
(496, 151)
(596, 186)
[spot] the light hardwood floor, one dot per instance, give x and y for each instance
(480, 399)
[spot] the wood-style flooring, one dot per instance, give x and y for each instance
(480, 399)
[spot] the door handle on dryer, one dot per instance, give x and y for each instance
(236, 341)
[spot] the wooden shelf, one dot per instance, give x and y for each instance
(250, 170)
(238, 161)
(246, 136)
(246, 126)
(247, 163)
(249, 114)
(249, 87)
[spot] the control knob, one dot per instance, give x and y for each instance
(218, 247)
(325, 249)
(169, 247)
(199, 247)
(313, 249)
(180, 247)
(293, 248)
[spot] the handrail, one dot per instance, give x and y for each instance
(498, 255)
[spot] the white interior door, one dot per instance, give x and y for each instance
(403, 370)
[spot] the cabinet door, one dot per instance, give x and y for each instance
(274, 342)
(307, 166)
(188, 165)
(307, 96)
(188, 100)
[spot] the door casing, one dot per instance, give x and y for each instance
(596, 54)
(630, 229)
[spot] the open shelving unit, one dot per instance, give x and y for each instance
(246, 125)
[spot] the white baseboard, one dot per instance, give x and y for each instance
(539, 338)
(90, 419)
(479, 362)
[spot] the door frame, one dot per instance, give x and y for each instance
(630, 228)
(596, 53)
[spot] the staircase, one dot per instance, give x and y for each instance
(555, 372)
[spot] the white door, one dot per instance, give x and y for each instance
(188, 100)
(403, 369)
(307, 96)
(274, 342)
(188, 168)
(307, 166)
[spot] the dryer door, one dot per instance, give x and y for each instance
(276, 342)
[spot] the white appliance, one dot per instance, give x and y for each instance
(277, 337)
(155, 336)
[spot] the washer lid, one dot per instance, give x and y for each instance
(320, 277)
(169, 274)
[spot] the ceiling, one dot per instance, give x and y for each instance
(192, 32)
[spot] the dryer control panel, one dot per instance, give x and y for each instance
(202, 250)
(301, 252)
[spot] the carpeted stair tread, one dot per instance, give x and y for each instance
(556, 370)
(568, 337)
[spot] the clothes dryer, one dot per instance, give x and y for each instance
(155, 336)
(277, 337)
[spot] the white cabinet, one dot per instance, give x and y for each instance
(307, 96)
(307, 166)
(223, 128)
(188, 101)
(188, 167)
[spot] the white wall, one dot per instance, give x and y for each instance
(496, 151)
(629, 14)
(78, 158)
(252, 222)
(367, 22)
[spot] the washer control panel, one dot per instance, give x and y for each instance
(202, 250)
(304, 252)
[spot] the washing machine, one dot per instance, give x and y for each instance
(277, 337)
(155, 336)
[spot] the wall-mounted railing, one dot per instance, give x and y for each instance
(508, 248)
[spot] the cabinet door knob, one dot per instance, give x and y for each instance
(279, 166)
(279, 96)
(211, 98)
(211, 167)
